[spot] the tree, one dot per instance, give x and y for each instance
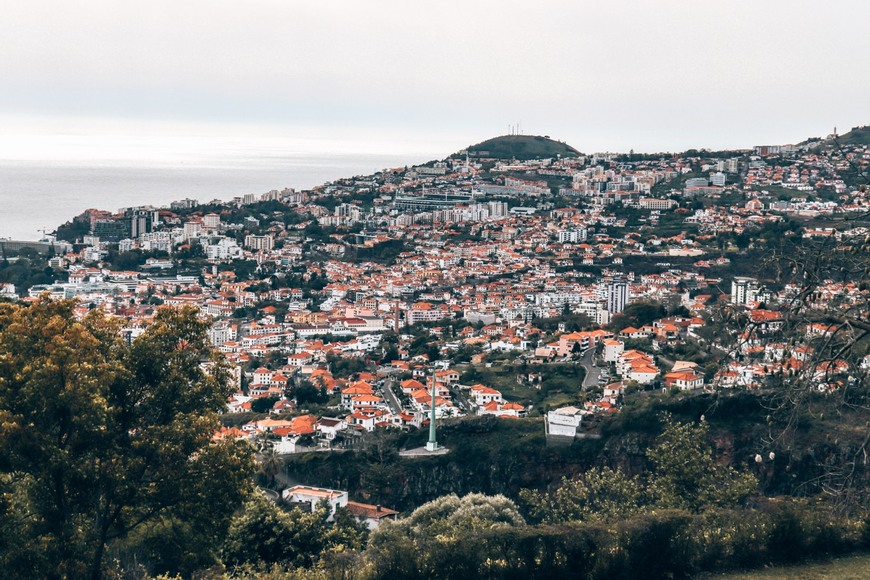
(264, 534)
(598, 495)
(451, 516)
(637, 314)
(263, 404)
(100, 438)
(307, 392)
(685, 474)
(823, 282)
(436, 538)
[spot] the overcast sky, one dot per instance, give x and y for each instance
(607, 75)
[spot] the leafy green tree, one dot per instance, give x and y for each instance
(264, 534)
(598, 495)
(431, 540)
(685, 474)
(102, 440)
(307, 392)
(263, 404)
(451, 516)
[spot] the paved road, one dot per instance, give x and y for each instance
(668, 361)
(390, 396)
(592, 373)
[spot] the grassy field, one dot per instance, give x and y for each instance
(846, 568)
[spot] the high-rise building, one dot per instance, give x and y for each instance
(497, 209)
(266, 242)
(183, 204)
(697, 182)
(192, 229)
(211, 221)
(141, 222)
(617, 295)
(348, 210)
(733, 165)
(744, 290)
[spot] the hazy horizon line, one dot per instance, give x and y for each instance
(46, 137)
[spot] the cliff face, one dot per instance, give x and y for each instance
(494, 456)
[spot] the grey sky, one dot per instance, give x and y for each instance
(648, 75)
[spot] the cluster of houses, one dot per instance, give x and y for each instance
(361, 266)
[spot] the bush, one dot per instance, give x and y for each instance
(671, 543)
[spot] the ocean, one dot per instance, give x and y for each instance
(46, 181)
(38, 195)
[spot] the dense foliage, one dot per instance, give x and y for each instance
(105, 445)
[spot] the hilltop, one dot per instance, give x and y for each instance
(522, 147)
(857, 136)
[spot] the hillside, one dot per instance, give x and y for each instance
(501, 456)
(857, 136)
(522, 147)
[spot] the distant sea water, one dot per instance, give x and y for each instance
(36, 195)
(52, 170)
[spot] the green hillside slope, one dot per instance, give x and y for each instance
(522, 147)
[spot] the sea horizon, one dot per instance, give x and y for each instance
(48, 179)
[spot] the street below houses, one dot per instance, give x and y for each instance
(592, 372)
(390, 396)
(668, 361)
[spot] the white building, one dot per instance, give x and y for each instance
(266, 242)
(612, 350)
(223, 249)
(564, 422)
(617, 295)
(572, 236)
(744, 290)
(192, 229)
(211, 221)
(315, 495)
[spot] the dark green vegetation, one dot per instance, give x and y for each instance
(685, 512)
(494, 456)
(559, 384)
(105, 446)
(857, 136)
(264, 533)
(522, 147)
(487, 455)
(661, 544)
(29, 269)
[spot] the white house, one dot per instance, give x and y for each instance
(313, 496)
(370, 515)
(613, 350)
(483, 395)
(564, 421)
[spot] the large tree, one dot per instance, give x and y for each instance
(102, 436)
(686, 475)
